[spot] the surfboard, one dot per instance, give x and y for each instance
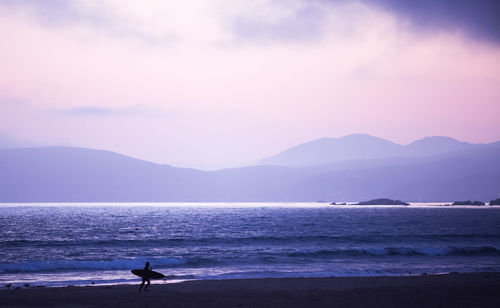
(150, 274)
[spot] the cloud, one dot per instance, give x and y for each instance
(156, 22)
(228, 22)
(478, 18)
(90, 111)
(280, 21)
(94, 111)
(56, 12)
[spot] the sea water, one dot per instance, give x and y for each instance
(82, 244)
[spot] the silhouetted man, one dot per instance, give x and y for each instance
(145, 277)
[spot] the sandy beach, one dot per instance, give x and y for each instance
(450, 290)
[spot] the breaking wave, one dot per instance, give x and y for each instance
(402, 251)
(65, 265)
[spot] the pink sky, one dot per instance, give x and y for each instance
(219, 84)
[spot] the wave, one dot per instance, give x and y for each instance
(160, 242)
(270, 258)
(119, 264)
(402, 251)
(240, 240)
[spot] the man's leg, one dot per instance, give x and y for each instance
(143, 281)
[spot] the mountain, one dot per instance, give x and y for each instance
(332, 150)
(439, 179)
(77, 174)
(64, 174)
(437, 145)
(327, 151)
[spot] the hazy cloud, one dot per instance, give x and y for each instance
(90, 111)
(222, 22)
(94, 111)
(104, 17)
(478, 18)
(306, 21)
(56, 12)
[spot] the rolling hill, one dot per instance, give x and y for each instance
(327, 151)
(428, 170)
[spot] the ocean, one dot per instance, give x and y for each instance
(84, 244)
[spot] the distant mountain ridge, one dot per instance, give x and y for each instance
(65, 174)
(327, 151)
(80, 174)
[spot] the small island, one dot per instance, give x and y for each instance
(468, 202)
(382, 201)
(495, 202)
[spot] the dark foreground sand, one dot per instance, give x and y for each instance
(452, 290)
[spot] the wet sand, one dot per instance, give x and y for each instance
(450, 290)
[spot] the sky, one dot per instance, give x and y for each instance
(218, 84)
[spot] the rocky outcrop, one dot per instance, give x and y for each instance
(468, 202)
(383, 201)
(495, 202)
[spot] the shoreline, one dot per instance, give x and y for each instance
(442, 290)
(17, 285)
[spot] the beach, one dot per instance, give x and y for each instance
(447, 290)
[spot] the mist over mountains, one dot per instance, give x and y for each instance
(351, 168)
(360, 146)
